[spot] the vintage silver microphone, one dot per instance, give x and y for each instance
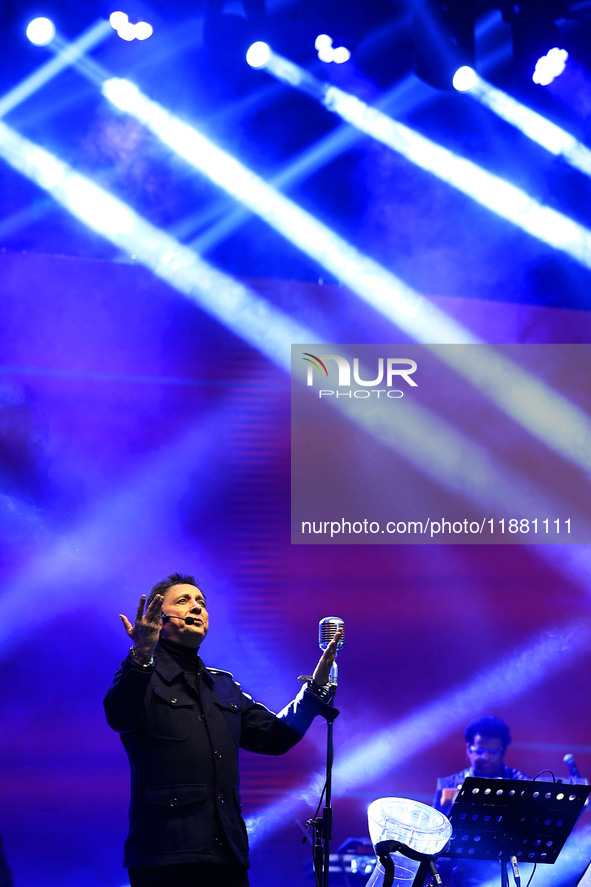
(327, 629)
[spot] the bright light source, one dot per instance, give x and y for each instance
(118, 20)
(127, 30)
(258, 54)
(341, 55)
(244, 312)
(550, 66)
(328, 53)
(41, 31)
(143, 30)
(464, 79)
(323, 41)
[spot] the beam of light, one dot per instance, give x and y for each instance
(116, 522)
(496, 194)
(408, 93)
(232, 303)
(393, 745)
(364, 276)
(367, 278)
(537, 128)
(67, 54)
(239, 308)
(296, 225)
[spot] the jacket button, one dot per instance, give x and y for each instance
(174, 699)
(218, 842)
(217, 754)
(221, 800)
(234, 705)
(173, 802)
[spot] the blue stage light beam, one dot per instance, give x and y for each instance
(236, 306)
(67, 54)
(233, 304)
(358, 271)
(533, 125)
(377, 286)
(121, 225)
(390, 747)
(492, 192)
(367, 278)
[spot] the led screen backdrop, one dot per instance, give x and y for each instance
(139, 436)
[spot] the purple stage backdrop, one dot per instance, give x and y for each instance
(138, 436)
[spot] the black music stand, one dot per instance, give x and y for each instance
(517, 820)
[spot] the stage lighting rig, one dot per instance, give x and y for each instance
(229, 29)
(443, 35)
(443, 39)
(535, 32)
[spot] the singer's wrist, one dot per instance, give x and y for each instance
(323, 691)
(145, 659)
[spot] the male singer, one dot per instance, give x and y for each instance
(182, 725)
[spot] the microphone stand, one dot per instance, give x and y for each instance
(322, 826)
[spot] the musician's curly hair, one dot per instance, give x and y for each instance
(489, 726)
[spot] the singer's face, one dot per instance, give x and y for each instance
(185, 600)
(486, 755)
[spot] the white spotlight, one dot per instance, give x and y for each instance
(323, 42)
(127, 32)
(41, 31)
(464, 79)
(118, 20)
(341, 55)
(328, 53)
(258, 54)
(550, 66)
(143, 30)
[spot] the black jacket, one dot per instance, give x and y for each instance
(182, 742)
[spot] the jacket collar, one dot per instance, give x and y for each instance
(169, 669)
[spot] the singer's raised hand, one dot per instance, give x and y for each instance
(322, 670)
(146, 629)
